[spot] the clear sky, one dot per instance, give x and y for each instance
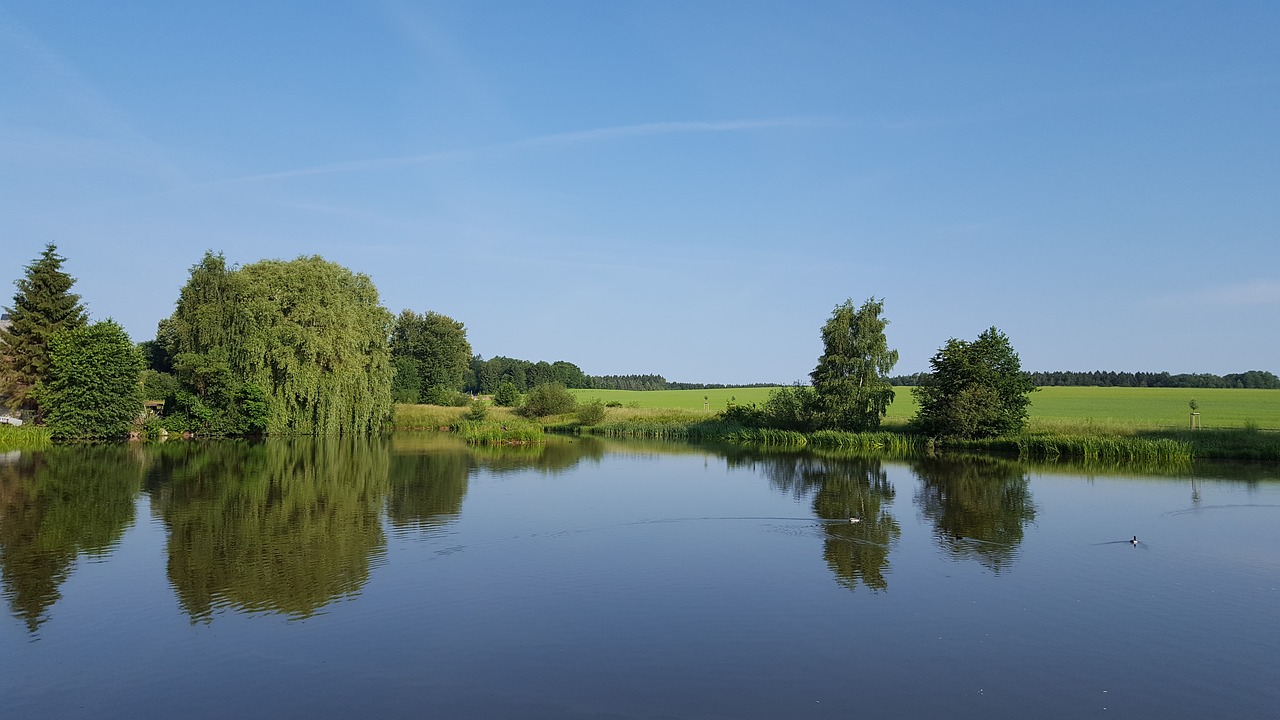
(683, 188)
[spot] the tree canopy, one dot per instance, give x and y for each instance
(277, 346)
(430, 353)
(976, 389)
(93, 389)
(851, 380)
(43, 306)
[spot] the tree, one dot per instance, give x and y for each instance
(93, 389)
(43, 306)
(851, 382)
(976, 389)
(281, 347)
(506, 395)
(432, 346)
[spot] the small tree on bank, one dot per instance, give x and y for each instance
(43, 306)
(93, 389)
(851, 382)
(976, 389)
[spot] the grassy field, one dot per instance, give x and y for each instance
(1053, 408)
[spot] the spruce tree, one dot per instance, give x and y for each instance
(43, 306)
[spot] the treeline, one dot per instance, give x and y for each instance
(484, 377)
(1253, 379)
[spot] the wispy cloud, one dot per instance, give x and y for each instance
(1257, 292)
(577, 137)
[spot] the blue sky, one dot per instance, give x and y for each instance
(684, 188)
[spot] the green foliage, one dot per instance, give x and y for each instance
(432, 352)
(548, 399)
(406, 385)
(446, 396)
(851, 386)
(484, 376)
(24, 437)
(93, 389)
(43, 307)
(491, 432)
(308, 333)
(158, 385)
(507, 395)
(977, 389)
(591, 413)
(479, 410)
(790, 408)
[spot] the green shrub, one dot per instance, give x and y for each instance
(591, 413)
(478, 411)
(548, 399)
(507, 395)
(446, 396)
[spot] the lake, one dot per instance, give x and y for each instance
(417, 577)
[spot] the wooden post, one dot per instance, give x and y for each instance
(1195, 421)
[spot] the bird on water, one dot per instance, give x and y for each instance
(1134, 541)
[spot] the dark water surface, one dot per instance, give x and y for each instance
(415, 577)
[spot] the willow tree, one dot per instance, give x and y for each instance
(304, 342)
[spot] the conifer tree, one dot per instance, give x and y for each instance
(43, 306)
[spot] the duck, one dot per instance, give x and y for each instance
(1134, 541)
(855, 520)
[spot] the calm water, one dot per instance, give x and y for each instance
(418, 578)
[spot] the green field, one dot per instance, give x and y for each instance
(1105, 408)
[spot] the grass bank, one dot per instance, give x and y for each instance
(1088, 438)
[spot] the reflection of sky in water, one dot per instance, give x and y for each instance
(687, 585)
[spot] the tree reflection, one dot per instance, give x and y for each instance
(282, 526)
(426, 489)
(978, 506)
(843, 488)
(55, 505)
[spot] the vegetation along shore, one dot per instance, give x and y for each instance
(303, 347)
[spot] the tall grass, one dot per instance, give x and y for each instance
(1110, 448)
(24, 437)
(492, 432)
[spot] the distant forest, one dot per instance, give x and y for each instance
(484, 377)
(1254, 379)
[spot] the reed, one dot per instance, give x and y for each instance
(492, 432)
(1104, 448)
(24, 437)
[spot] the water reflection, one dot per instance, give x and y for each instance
(55, 505)
(978, 506)
(843, 489)
(283, 526)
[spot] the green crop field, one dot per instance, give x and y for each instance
(1052, 407)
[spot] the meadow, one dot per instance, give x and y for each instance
(1102, 409)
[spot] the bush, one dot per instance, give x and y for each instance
(478, 411)
(591, 413)
(93, 389)
(446, 396)
(548, 399)
(507, 395)
(790, 408)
